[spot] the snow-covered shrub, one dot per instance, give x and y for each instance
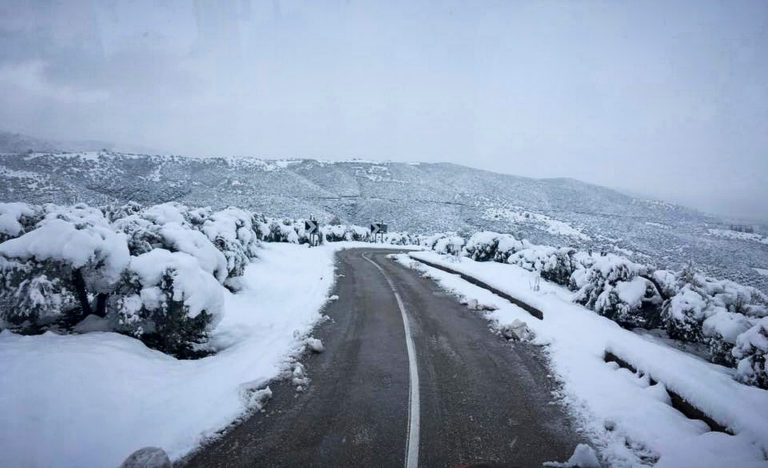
(751, 351)
(115, 212)
(166, 300)
(146, 232)
(223, 241)
(610, 287)
(507, 245)
(487, 245)
(482, 246)
(720, 331)
(16, 219)
(334, 232)
(554, 264)
(633, 303)
(155, 273)
(450, 244)
(32, 296)
(666, 281)
(233, 234)
(164, 213)
(142, 234)
(697, 298)
(359, 233)
(399, 238)
(339, 233)
(281, 231)
(73, 252)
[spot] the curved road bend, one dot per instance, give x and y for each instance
(479, 399)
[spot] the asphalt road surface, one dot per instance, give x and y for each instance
(479, 399)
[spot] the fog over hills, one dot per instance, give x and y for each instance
(415, 197)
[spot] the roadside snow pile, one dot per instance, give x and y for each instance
(628, 417)
(718, 314)
(93, 399)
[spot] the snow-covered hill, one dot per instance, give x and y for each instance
(415, 197)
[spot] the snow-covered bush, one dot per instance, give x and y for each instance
(666, 281)
(116, 212)
(16, 219)
(222, 241)
(450, 244)
(482, 246)
(338, 233)
(32, 296)
(334, 232)
(72, 252)
(710, 311)
(554, 264)
(147, 231)
(280, 231)
(684, 314)
(486, 245)
(169, 302)
(619, 289)
(232, 232)
(155, 273)
(721, 331)
(751, 351)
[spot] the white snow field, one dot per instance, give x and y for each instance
(93, 399)
(629, 420)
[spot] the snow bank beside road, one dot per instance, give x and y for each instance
(92, 399)
(631, 420)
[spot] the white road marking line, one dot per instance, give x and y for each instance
(412, 440)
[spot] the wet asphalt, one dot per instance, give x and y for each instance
(483, 401)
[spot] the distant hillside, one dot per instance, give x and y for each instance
(18, 143)
(417, 197)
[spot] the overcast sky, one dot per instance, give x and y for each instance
(663, 98)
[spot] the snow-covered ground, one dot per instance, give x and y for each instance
(92, 399)
(631, 421)
(517, 215)
(738, 235)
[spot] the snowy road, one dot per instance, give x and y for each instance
(481, 399)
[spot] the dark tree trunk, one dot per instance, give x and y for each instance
(101, 305)
(82, 294)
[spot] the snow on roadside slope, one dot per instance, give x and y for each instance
(92, 399)
(644, 425)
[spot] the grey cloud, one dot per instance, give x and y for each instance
(665, 99)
